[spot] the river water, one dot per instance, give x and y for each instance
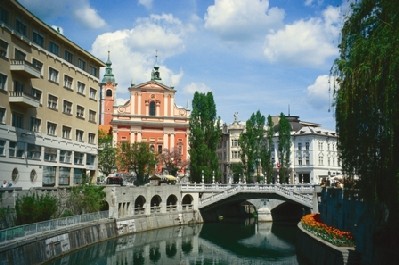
(223, 243)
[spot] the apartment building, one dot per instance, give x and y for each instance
(49, 98)
(314, 151)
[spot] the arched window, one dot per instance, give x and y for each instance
(152, 108)
(108, 93)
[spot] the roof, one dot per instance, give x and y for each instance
(57, 34)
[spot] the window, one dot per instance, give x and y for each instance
(307, 161)
(90, 159)
(35, 124)
(152, 108)
(2, 148)
(20, 55)
(16, 149)
(65, 173)
(234, 142)
(37, 94)
(3, 49)
(80, 112)
(78, 176)
(307, 144)
(235, 154)
(37, 64)
(67, 109)
(92, 116)
(300, 146)
(68, 56)
(320, 145)
(21, 27)
(65, 156)
(3, 82)
(38, 38)
(34, 151)
(93, 93)
(93, 70)
(51, 128)
(160, 149)
(108, 93)
(78, 158)
(3, 16)
(79, 135)
(53, 75)
(92, 138)
(50, 154)
(17, 120)
(18, 88)
(52, 102)
(81, 88)
(66, 132)
(81, 64)
(2, 115)
(49, 176)
(53, 47)
(68, 82)
(299, 161)
(321, 160)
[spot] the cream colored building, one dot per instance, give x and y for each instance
(314, 151)
(49, 97)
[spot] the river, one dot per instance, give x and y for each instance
(224, 243)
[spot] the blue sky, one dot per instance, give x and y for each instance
(267, 55)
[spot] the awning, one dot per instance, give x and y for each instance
(169, 177)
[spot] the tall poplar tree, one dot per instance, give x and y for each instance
(253, 146)
(367, 112)
(204, 138)
(267, 163)
(284, 147)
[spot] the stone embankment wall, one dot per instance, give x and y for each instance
(316, 251)
(43, 247)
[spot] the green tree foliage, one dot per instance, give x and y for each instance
(204, 138)
(267, 163)
(366, 102)
(86, 198)
(34, 208)
(106, 153)
(253, 147)
(284, 147)
(136, 157)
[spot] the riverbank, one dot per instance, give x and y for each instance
(43, 247)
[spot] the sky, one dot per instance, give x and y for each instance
(268, 55)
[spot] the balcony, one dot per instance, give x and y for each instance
(25, 68)
(23, 99)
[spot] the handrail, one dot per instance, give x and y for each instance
(31, 229)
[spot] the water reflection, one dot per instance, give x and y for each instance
(218, 243)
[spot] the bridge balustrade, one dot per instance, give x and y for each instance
(155, 209)
(187, 207)
(171, 208)
(139, 211)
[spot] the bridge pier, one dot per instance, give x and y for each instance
(263, 208)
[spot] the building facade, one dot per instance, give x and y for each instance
(150, 115)
(49, 92)
(314, 153)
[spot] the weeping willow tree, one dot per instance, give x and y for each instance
(366, 100)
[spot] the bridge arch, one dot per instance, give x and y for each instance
(139, 205)
(171, 203)
(187, 202)
(156, 204)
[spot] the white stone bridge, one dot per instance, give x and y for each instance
(304, 194)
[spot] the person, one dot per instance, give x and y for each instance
(5, 185)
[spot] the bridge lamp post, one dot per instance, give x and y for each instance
(203, 179)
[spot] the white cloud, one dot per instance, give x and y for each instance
(133, 50)
(318, 94)
(196, 87)
(306, 42)
(242, 20)
(89, 17)
(146, 3)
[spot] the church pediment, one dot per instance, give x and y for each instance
(152, 86)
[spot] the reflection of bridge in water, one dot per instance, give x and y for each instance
(193, 245)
